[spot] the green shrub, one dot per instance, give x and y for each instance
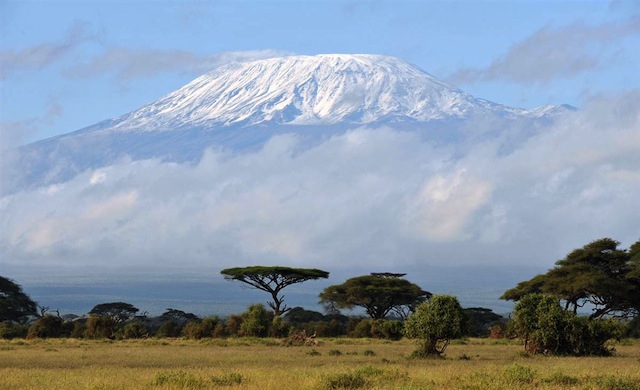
(335, 352)
(387, 329)
(362, 329)
(48, 326)
(353, 380)
(228, 379)
(11, 330)
(256, 321)
(561, 379)
(79, 330)
(169, 329)
(99, 327)
(134, 330)
(369, 352)
(547, 328)
(279, 327)
(517, 374)
(180, 379)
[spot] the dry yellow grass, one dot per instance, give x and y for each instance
(268, 364)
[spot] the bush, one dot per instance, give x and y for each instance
(135, 330)
(279, 327)
(256, 321)
(352, 380)
(99, 327)
(11, 330)
(79, 330)
(436, 322)
(232, 327)
(48, 326)
(518, 375)
(361, 329)
(228, 379)
(387, 329)
(547, 328)
(169, 329)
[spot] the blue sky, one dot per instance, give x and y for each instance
(69, 64)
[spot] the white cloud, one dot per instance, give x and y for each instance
(377, 199)
(554, 53)
(42, 55)
(127, 64)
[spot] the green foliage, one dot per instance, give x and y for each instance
(546, 328)
(15, 305)
(378, 294)
(79, 330)
(279, 327)
(516, 374)
(135, 330)
(228, 379)
(11, 330)
(601, 274)
(169, 329)
(179, 379)
(273, 279)
(560, 379)
(633, 328)
(349, 380)
(481, 321)
(48, 326)
(387, 329)
(255, 321)
(99, 327)
(202, 329)
(178, 316)
(335, 352)
(117, 311)
(436, 322)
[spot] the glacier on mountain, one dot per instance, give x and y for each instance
(240, 106)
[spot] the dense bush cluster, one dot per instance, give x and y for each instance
(546, 327)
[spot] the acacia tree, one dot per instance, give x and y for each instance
(599, 273)
(117, 311)
(378, 294)
(273, 279)
(15, 305)
(436, 322)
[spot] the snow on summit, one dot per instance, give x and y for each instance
(309, 90)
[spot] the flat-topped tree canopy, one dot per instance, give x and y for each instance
(273, 279)
(379, 294)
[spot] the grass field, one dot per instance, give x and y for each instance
(333, 363)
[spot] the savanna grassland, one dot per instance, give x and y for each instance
(332, 364)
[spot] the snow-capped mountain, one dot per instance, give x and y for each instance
(241, 105)
(310, 90)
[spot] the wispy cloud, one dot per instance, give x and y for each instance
(553, 53)
(370, 198)
(127, 64)
(42, 55)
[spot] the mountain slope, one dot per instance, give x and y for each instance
(310, 90)
(240, 106)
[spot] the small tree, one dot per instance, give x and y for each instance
(273, 280)
(379, 294)
(436, 322)
(118, 311)
(15, 305)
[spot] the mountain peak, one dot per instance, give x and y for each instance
(307, 90)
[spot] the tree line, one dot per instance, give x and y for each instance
(599, 275)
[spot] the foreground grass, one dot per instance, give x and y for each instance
(334, 364)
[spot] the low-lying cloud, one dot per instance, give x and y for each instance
(378, 199)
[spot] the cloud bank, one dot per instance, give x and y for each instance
(377, 199)
(553, 53)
